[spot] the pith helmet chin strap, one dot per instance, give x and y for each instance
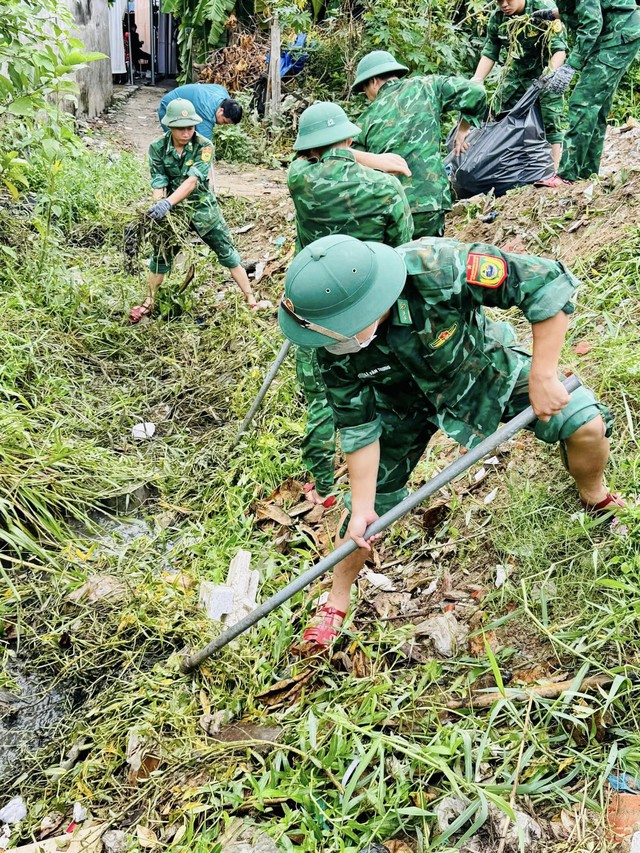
(287, 304)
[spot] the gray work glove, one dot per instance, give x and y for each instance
(160, 209)
(543, 15)
(558, 81)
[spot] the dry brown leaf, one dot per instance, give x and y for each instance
(287, 493)
(258, 738)
(287, 691)
(270, 512)
(390, 604)
(99, 588)
(397, 846)
(361, 664)
(146, 837)
(435, 514)
(583, 347)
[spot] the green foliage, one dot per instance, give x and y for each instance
(626, 103)
(201, 26)
(36, 56)
(421, 33)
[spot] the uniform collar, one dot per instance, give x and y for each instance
(338, 153)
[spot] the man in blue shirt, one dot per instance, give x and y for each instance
(211, 102)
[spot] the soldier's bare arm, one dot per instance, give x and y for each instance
(363, 474)
(547, 394)
(394, 164)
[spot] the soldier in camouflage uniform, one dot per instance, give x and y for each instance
(607, 39)
(179, 163)
(404, 117)
(404, 350)
(527, 55)
(335, 194)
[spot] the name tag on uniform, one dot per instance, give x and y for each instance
(369, 373)
(404, 314)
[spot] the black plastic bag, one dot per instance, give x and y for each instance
(503, 154)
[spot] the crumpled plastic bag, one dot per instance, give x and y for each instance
(510, 152)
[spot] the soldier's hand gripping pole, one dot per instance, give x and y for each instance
(275, 367)
(452, 471)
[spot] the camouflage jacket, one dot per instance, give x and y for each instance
(336, 195)
(435, 352)
(598, 25)
(170, 169)
(532, 48)
(405, 119)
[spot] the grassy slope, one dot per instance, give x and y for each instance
(76, 378)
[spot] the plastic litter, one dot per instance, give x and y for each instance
(501, 576)
(232, 601)
(511, 152)
(143, 430)
(14, 811)
(445, 632)
(115, 841)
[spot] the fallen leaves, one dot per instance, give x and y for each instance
(286, 692)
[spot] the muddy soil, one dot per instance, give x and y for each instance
(568, 223)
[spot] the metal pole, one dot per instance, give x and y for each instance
(152, 52)
(261, 393)
(452, 471)
(130, 51)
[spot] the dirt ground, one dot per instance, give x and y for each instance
(134, 122)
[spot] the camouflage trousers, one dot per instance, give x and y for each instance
(513, 87)
(429, 223)
(319, 442)
(208, 222)
(405, 437)
(589, 105)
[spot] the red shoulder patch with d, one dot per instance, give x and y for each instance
(486, 270)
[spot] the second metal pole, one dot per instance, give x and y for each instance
(461, 464)
(275, 367)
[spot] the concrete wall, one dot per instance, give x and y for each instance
(94, 81)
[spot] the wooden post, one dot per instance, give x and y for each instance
(274, 90)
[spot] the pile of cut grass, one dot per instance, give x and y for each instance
(365, 755)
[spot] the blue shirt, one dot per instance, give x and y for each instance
(205, 97)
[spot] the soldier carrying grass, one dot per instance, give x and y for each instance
(404, 349)
(404, 117)
(606, 41)
(179, 163)
(334, 193)
(527, 48)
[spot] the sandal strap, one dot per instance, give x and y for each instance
(325, 631)
(607, 504)
(331, 611)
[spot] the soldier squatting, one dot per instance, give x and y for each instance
(392, 340)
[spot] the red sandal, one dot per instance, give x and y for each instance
(610, 504)
(319, 637)
(139, 311)
(327, 502)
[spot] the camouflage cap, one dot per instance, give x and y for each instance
(336, 287)
(322, 124)
(181, 113)
(374, 64)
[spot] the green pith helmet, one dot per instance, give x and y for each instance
(374, 64)
(322, 124)
(181, 113)
(340, 284)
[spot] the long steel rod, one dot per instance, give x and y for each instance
(275, 367)
(457, 467)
